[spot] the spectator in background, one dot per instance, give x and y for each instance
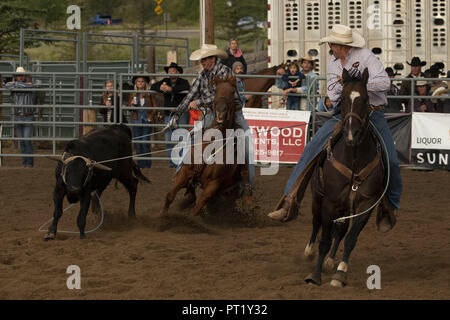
(308, 64)
(441, 105)
(435, 72)
(141, 116)
(172, 88)
(394, 105)
(325, 105)
(234, 54)
(23, 112)
(107, 99)
(292, 80)
(421, 105)
(416, 72)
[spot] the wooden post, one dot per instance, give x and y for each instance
(209, 21)
(171, 56)
(151, 65)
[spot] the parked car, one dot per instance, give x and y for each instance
(246, 23)
(104, 20)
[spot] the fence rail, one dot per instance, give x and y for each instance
(58, 121)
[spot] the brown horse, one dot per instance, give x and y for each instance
(260, 85)
(348, 181)
(212, 177)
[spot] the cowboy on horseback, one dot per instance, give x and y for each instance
(348, 52)
(202, 92)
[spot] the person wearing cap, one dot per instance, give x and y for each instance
(174, 89)
(348, 50)
(141, 116)
(421, 105)
(234, 54)
(394, 105)
(416, 72)
(23, 112)
(238, 68)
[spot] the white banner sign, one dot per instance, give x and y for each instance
(430, 131)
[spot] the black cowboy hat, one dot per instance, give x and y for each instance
(146, 78)
(415, 62)
(438, 69)
(391, 72)
(174, 65)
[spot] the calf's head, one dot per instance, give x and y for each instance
(77, 171)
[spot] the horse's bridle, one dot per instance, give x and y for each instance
(227, 103)
(364, 122)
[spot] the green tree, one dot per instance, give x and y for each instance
(227, 13)
(14, 14)
(49, 13)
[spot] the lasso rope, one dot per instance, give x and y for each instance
(73, 232)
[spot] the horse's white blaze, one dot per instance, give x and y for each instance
(353, 96)
(342, 266)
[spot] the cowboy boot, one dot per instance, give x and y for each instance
(386, 217)
(287, 211)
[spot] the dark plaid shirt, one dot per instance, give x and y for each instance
(202, 91)
(22, 98)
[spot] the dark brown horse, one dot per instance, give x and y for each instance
(212, 177)
(348, 181)
(260, 85)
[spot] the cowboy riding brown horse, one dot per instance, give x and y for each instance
(212, 177)
(347, 181)
(260, 85)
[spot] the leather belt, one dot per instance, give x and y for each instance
(376, 108)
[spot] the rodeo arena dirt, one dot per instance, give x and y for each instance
(225, 256)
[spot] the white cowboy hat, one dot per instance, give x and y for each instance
(208, 50)
(421, 83)
(439, 91)
(20, 70)
(308, 57)
(341, 34)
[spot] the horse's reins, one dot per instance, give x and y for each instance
(366, 173)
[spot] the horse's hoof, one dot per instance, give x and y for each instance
(336, 284)
(384, 225)
(278, 215)
(311, 279)
(329, 264)
(82, 236)
(339, 279)
(50, 236)
(309, 251)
